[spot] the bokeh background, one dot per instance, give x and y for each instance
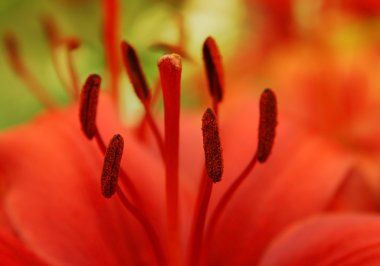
(322, 57)
(143, 24)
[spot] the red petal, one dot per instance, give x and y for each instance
(13, 252)
(53, 197)
(330, 240)
(354, 194)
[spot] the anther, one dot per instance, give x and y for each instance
(72, 43)
(111, 166)
(11, 46)
(211, 146)
(267, 124)
(23, 72)
(51, 30)
(135, 72)
(214, 69)
(88, 105)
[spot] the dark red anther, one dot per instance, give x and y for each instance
(267, 124)
(12, 49)
(88, 105)
(111, 166)
(214, 69)
(135, 72)
(72, 43)
(212, 146)
(51, 30)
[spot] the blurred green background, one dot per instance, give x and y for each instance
(143, 23)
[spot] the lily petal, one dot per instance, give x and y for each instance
(328, 240)
(13, 252)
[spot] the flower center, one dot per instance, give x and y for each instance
(170, 76)
(167, 251)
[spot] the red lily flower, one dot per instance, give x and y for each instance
(53, 203)
(57, 210)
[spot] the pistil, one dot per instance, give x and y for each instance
(111, 39)
(170, 73)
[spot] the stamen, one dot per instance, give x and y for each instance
(140, 86)
(182, 36)
(12, 49)
(70, 44)
(51, 30)
(126, 180)
(268, 123)
(109, 185)
(156, 132)
(211, 146)
(214, 69)
(155, 96)
(88, 110)
(214, 167)
(149, 229)
(110, 173)
(267, 126)
(73, 44)
(135, 73)
(111, 38)
(196, 242)
(226, 198)
(88, 105)
(170, 73)
(21, 70)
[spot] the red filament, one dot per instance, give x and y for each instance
(56, 42)
(212, 146)
(267, 125)
(111, 166)
(88, 105)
